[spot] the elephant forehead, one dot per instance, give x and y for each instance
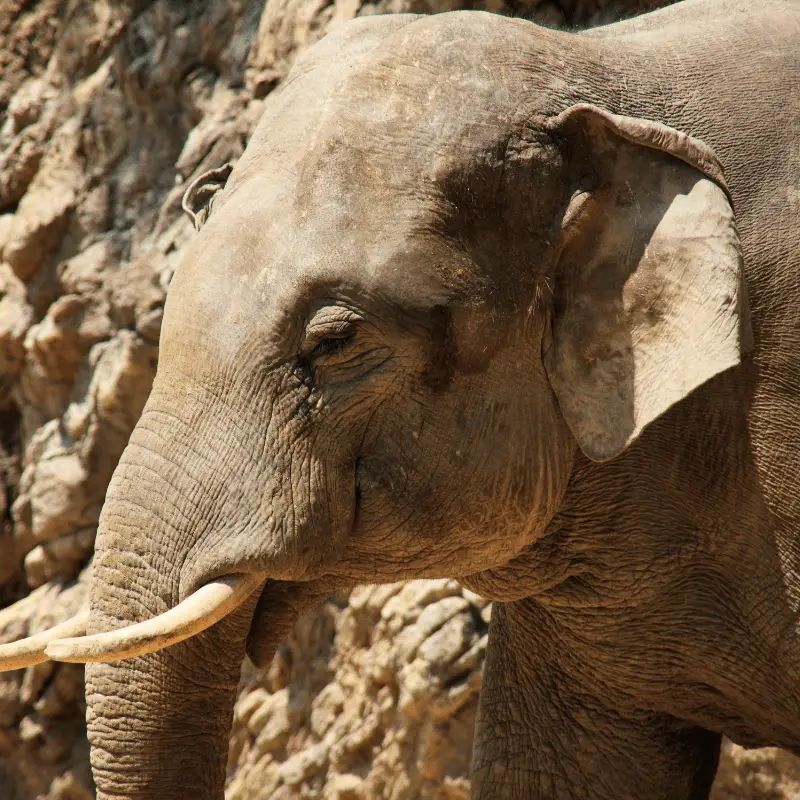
(350, 191)
(248, 281)
(426, 102)
(425, 80)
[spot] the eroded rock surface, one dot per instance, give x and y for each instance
(108, 108)
(389, 677)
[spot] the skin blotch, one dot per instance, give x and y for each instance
(437, 375)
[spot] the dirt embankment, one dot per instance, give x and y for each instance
(107, 109)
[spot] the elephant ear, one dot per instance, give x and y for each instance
(199, 197)
(649, 295)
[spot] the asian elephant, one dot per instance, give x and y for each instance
(500, 303)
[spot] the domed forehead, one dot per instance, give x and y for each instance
(415, 109)
(424, 93)
(344, 190)
(279, 243)
(363, 186)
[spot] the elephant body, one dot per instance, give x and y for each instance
(671, 573)
(516, 306)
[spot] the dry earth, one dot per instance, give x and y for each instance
(107, 110)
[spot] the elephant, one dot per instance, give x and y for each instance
(494, 302)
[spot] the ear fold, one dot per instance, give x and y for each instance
(649, 300)
(198, 198)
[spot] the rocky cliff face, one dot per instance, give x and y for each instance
(108, 108)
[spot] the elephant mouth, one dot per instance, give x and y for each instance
(211, 602)
(202, 609)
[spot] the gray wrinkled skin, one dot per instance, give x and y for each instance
(441, 322)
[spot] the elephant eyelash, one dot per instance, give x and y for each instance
(330, 345)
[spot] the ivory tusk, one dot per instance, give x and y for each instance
(27, 652)
(209, 604)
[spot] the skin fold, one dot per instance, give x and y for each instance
(515, 306)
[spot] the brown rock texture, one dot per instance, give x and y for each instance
(372, 696)
(108, 108)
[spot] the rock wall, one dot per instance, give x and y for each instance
(107, 109)
(374, 696)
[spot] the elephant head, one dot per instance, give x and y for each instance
(435, 276)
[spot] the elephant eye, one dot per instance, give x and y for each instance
(328, 335)
(327, 341)
(330, 346)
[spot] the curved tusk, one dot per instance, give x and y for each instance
(209, 604)
(27, 652)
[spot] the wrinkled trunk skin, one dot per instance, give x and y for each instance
(159, 724)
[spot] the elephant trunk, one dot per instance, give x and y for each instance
(190, 531)
(158, 722)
